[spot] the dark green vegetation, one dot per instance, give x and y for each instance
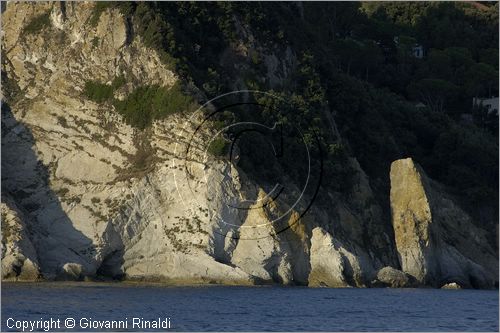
(98, 92)
(148, 103)
(355, 64)
(217, 147)
(38, 23)
(144, 104)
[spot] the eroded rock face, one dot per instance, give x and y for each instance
(112, 201)
(19, 259)
(335, 265)
(411, 218)
(106, 199)
(327, 263)
(436, 240)
(96, 197)
(264, 251)
(258, 253)
(102, 196)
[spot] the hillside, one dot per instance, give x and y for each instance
(250, 143)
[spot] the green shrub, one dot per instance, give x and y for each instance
(148, 103)
(144, 104)
(62, 121)
(118, 82)
(217, 147)
(38, 23)
(98, 92)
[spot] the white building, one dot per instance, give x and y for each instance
(418, 51)
(491, 104)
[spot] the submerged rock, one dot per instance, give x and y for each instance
(394, 278)
(451, 285)
(70, 272)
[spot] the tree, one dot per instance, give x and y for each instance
(482, 80)
(342, 18)
(433, 92)
(348, 50)
(371, 57)
(489, 56)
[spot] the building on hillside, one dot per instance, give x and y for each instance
(467, 118)
(418, 51)
(491, 104)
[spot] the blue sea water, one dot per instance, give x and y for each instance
(267, 308)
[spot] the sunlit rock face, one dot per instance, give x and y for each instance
(85, 195)
(437, 242)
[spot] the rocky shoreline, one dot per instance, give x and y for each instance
(161, 282)
(85, 195)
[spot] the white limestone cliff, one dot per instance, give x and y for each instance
(86, 195)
